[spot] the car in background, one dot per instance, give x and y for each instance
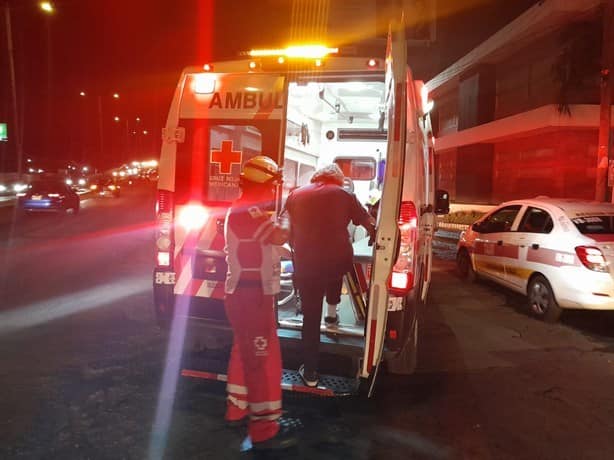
(557, 252)
(48, 196)
(105, 186)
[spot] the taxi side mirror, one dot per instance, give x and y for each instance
(442, 202)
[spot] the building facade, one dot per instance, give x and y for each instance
(518, 116)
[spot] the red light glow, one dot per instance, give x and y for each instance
(164, 259)
(192, 217)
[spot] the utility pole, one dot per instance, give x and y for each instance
(15, 124)
(607, 61)
(100, 131)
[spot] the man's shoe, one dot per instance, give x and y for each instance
(310, 379)
(331, 322)
(285, 437)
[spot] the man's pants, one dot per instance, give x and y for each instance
(254, 371)
(312, 292)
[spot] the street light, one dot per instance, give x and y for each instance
(100, 120)
(9, 47)
(47, 7)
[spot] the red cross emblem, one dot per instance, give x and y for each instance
(226, 157)
(260, 343)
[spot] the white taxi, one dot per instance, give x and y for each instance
(556, 251)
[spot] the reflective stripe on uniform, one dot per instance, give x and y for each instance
(241, 404)
(236, 389)
(263, 418)
(265, 406)
(264, 230)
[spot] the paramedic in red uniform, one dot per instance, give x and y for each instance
(254, 370)
(319, 214)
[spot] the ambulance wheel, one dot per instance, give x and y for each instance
(164, 305)
(465, 267)
(405, 361)
(541, 300)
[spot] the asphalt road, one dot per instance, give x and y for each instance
(82, 363)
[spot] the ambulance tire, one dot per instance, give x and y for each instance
(164, 304)
(465, 267)
(541, 300)
(405, 361)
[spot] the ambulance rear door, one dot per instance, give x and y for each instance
(223, 120)
(385, 247)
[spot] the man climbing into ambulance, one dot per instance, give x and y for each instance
(252, 281)
(319, 216)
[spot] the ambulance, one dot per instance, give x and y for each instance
(303, 106)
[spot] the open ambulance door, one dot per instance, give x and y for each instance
(385, 246)
(217, 122)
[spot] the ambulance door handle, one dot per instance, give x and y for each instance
(500, 243)
(535, 246)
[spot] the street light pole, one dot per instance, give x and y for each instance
(100, 136)
(16, 128)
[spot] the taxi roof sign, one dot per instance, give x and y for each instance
(3, 132)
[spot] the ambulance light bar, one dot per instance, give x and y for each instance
(304, 51)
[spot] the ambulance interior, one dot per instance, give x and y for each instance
(343, 122)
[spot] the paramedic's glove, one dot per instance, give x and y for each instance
(372, 232)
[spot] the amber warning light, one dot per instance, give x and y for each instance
(303, 51)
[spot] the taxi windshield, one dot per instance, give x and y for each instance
(594, 224)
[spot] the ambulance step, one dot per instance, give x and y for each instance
(329, 385)
(341, 330)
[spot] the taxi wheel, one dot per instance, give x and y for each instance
(464, 266)
(541, 300)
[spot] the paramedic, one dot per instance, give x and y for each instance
(319, 215)
(254, 370)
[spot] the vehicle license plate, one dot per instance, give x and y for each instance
(37, 197)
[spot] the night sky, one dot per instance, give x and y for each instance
(137, 48)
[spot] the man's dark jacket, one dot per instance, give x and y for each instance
(319, 217)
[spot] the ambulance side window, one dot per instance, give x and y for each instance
(536, 220)
(499, 221)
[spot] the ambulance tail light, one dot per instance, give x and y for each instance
(164, 220)
(192, 217)
(164, 259)
(401, 280)
(592, 258)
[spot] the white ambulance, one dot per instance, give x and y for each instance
(304, 107)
